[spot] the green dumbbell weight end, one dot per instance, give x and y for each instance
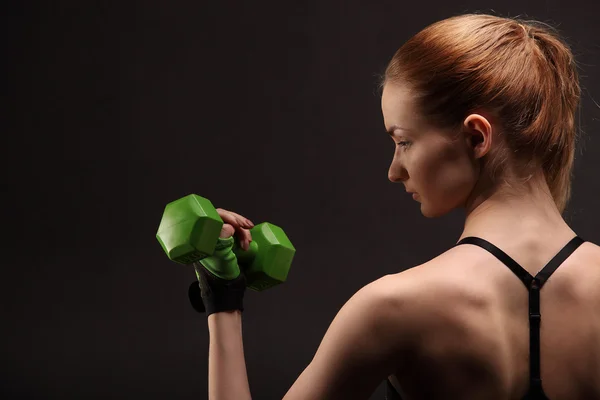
(189, 231)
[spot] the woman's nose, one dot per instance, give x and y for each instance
(397, 174)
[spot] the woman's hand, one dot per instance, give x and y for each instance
(221, 283)
(236, 224)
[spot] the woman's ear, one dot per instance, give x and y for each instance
(479, 134)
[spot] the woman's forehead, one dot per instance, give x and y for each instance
(397, 105)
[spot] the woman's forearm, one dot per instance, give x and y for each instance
(227, 376)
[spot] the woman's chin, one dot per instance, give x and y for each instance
(433, 212)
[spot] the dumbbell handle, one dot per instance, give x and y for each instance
(245, 257)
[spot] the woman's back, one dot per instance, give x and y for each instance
(474, 317)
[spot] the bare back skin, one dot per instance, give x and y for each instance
(472, 314)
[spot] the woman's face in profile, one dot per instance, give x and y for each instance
(427, 160)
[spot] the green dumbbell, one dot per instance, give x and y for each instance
(190, 228)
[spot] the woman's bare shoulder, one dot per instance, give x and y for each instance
(592, 251)
(445, 269)
(436, 285)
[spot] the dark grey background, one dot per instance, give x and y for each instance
(267, 108)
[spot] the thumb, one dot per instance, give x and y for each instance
(227, 231)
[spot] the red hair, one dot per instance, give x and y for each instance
(522, 72)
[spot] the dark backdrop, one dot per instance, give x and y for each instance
(267, 108)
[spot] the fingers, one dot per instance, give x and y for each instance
(242, 234)
(245, 239)
(239, 224)
(234, 219)
(227, 231)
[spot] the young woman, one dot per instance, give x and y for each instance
(482, 112)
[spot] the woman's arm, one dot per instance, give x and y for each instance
(360, 349)
(227, 377)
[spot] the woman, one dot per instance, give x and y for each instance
(482, 112)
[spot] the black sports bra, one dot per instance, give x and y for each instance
(534, 285)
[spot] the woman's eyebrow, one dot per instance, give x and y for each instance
(393, 128)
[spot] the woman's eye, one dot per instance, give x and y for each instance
(402, 144)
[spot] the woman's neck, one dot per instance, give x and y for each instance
(506, 214)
